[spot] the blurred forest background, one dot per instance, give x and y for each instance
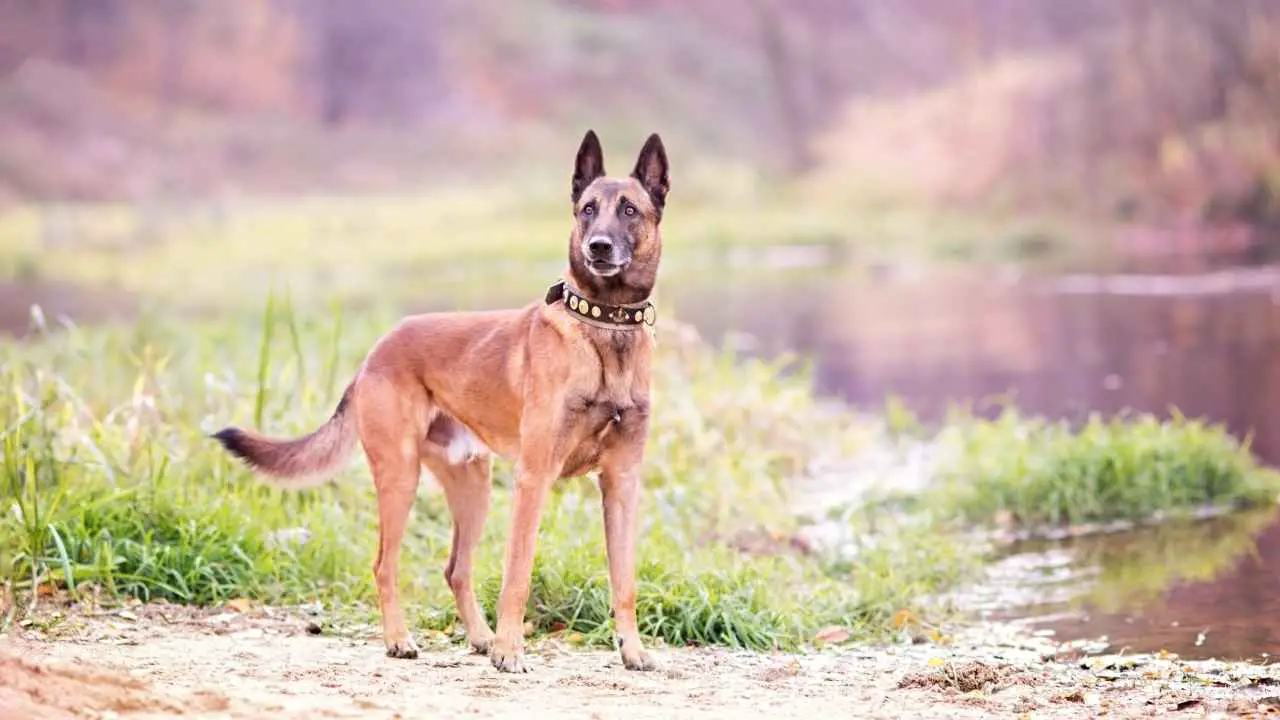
(1123, 109)
(814, 144)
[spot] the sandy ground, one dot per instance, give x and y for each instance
(162, 661)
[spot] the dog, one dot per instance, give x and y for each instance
(559, 386)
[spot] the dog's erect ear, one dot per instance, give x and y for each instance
(651, 170)
(589, 165)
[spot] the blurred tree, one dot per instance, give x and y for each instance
(1167, 107)
(375, 60)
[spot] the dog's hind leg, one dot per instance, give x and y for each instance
(466, 486)
(391, 425)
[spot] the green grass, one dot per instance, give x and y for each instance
(348, 247)
(427, 248)
(1031, 472)
(105, 455)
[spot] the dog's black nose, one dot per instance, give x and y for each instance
(599, 245)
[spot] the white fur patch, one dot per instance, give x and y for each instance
(464, 446)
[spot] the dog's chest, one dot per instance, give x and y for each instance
(595, 416)
(597, 425)
(609, 406)
(611, 410)
(616, 382)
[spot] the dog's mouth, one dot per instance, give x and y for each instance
(604, 268)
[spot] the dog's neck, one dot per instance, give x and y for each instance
(624, 289)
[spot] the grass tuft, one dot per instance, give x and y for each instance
(1033, 472)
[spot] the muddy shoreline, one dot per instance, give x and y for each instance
(236, 661)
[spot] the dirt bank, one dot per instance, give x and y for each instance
(164, 661)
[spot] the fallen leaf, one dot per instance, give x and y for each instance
(832, 634)
(240, 605)
(1185, 704)
(1074, 696)
(779, 672)
(1215, 681)
(902, 618)
(936, 662)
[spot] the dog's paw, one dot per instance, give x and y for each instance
(507, 660)
(404, 649)
(638, 659)
(481, 644)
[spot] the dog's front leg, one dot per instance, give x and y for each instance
(620, 495)
(533, 479)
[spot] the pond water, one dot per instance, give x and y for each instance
(1062, 346)
(1203, 589)
(1207, 344)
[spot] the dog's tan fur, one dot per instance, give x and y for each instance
(536, 384)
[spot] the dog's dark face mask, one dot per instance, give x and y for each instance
(615, 245)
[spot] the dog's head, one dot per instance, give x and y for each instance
(615, 245)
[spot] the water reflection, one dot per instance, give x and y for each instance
(1209, 345)
(1200, 589)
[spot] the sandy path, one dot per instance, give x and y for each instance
(300, 677)
(238, 665)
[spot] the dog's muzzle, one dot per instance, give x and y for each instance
(602, 256)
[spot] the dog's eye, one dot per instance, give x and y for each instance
(589, 210)
(629, 209)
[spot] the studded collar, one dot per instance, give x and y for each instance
(613, 317)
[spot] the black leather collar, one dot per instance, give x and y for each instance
(614, 317)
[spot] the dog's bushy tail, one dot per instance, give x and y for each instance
(297, 463)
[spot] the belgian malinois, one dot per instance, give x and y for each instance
(560, 386)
